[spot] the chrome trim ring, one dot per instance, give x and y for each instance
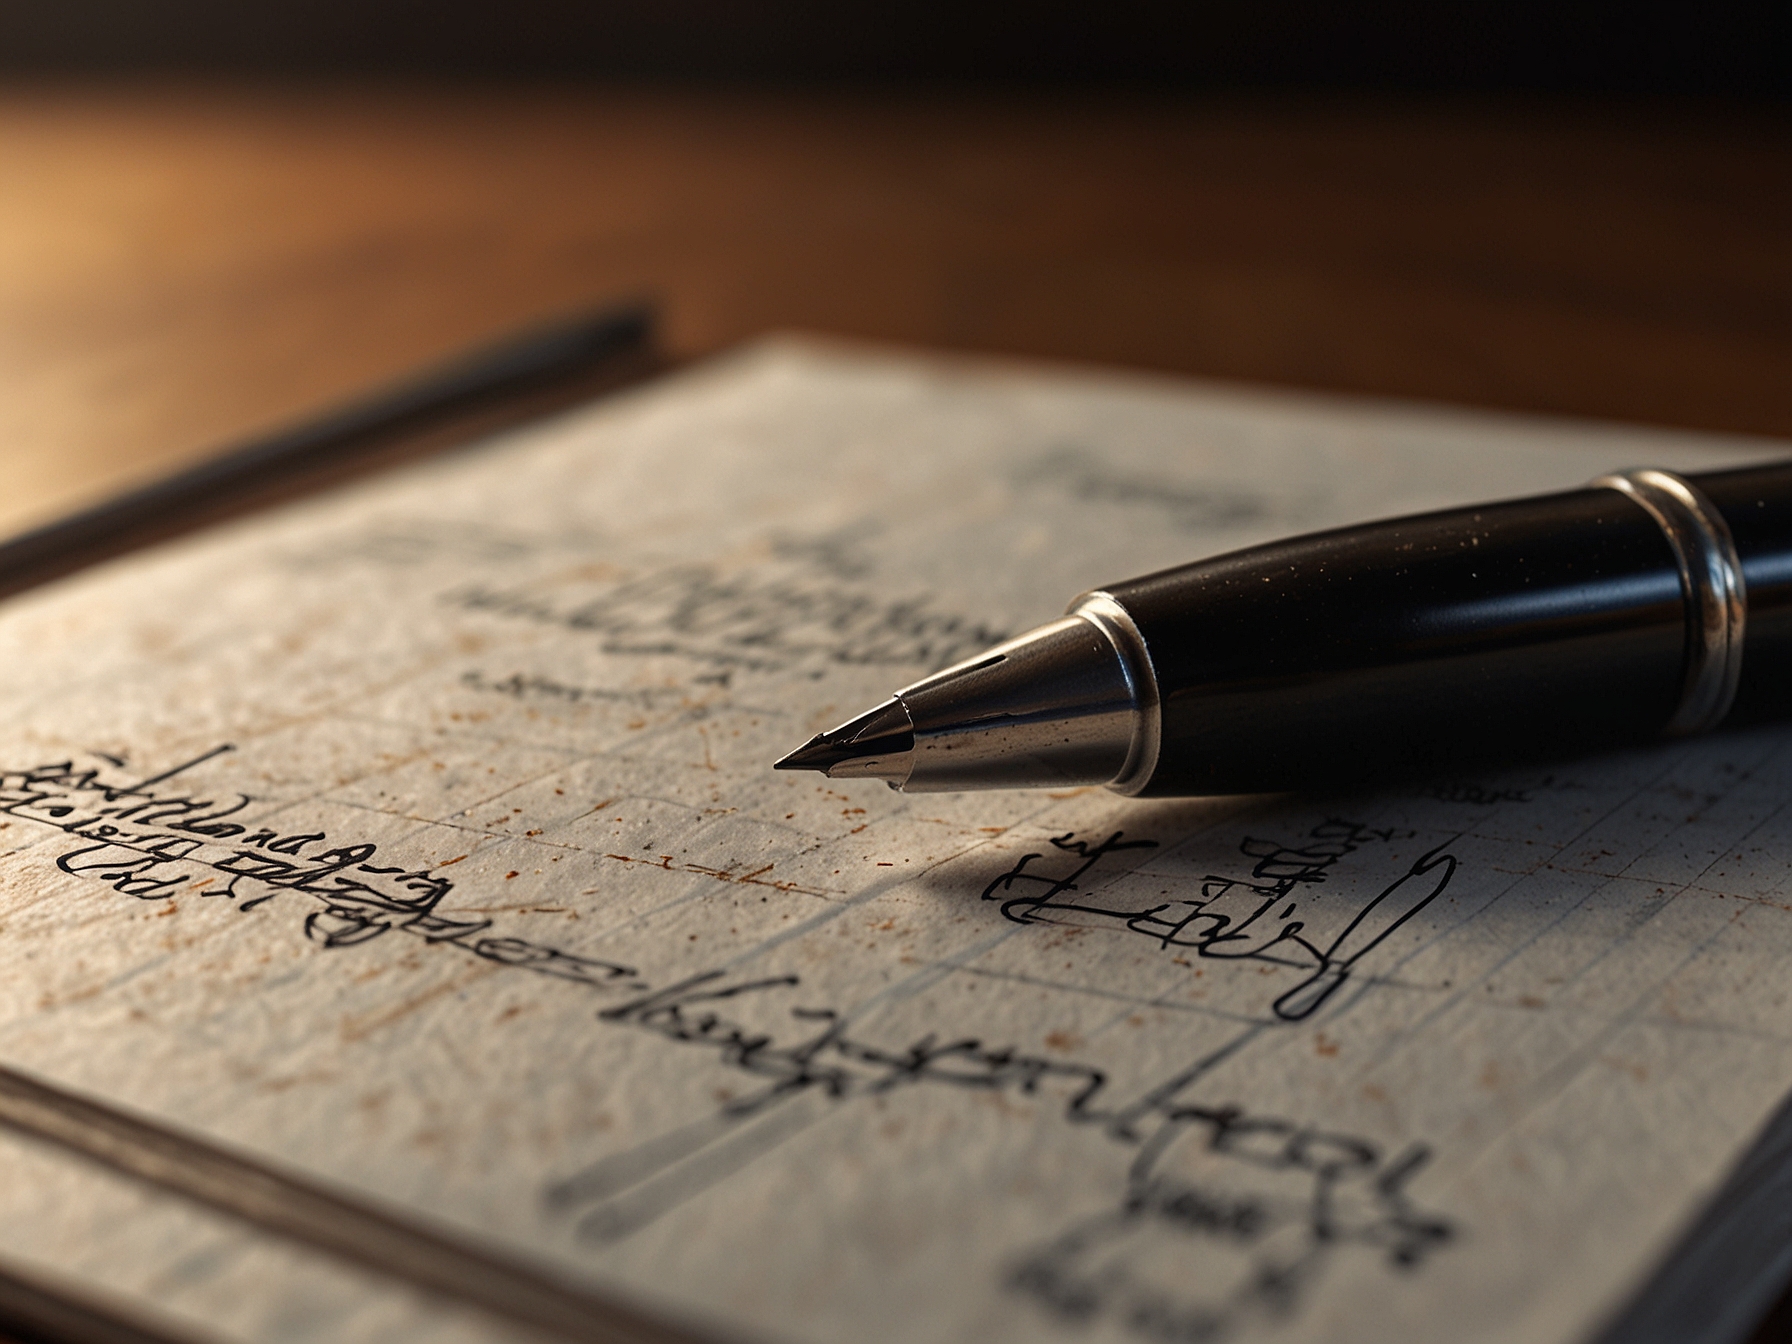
(1710, 583)
(1104, 612)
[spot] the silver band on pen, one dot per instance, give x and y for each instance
(1711, 585)
(1114, 621)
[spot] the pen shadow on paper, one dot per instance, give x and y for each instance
(1315, 893)
(1289, 911)
(1292, 890)
(1183, 879)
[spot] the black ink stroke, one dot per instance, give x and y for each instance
(1234, 919)
(1089, 477)
(1288, 1197)
(1263, 1243)
(151, 845)
(753, 622)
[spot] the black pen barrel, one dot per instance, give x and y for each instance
(1756, 504)
(1528, 629)
(1645, 605)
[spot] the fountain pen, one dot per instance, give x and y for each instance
(1645, 605)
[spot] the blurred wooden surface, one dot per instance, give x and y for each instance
(181, 266)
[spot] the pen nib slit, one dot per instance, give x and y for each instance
(876, 745)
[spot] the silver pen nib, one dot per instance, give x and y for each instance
(879, 744)
(1070, 703)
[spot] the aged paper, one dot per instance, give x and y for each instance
(178, 1269)
(422, 838)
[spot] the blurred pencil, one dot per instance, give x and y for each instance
(576, 350)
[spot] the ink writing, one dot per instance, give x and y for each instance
(1265, 917)
(749, 621)
(150, 845)
(1270, 1200)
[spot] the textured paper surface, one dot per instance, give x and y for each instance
(472, 888)
(171, 1265)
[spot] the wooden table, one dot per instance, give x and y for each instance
(181, 266)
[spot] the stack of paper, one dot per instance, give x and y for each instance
(405, 936)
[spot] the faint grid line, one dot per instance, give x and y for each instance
(1559, 1076)
(1135, 1001)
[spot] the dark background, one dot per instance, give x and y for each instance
(1729, 51)
(220, 215)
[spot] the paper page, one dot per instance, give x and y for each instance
(188, 1273)
(423, 838)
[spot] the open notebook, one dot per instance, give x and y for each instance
(405, 936)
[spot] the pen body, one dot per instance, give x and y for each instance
(1756, 503)
(1645, 605)
(1532, 628)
